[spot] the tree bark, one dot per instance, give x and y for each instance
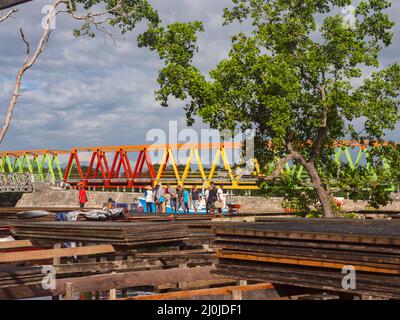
(323, 194)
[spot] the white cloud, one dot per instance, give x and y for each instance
(85, 92)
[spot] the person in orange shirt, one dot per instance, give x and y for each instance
(82, 196)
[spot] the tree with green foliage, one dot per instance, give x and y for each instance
(295, 79)
(121, 14)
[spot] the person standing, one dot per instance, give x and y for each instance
(220, 199)
(82, 196)
(195, 198)
(206, 195)
(159, 197)
(172, 197)
(110, 203)
(164, 199)
(179, 197)
(212, 198)
(149, 199)
(186, 200)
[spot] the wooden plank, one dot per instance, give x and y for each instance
(297, 273)
(136, 264)
(311, 254)
(107, 266)
(182, 284)
(196, 285)
(297, 230)
(107, 282)
(69, 291)
(175, 254)
(221, 241)
(15, 244)
(133, 279)
(204, 292)
(131, 234)
(24, 292)
(113, 292)
(309, 263)
(56, 260)
(349, 257)
(53, 253)
(236, 294)
(312, 280)
(293, 272)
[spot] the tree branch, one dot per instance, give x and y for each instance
(322, 91)
(324, 195)
(28, 62)
(90, 18)
(8, 15)
(279, 168)
(27, 45)
(31, 58)
(323, 130)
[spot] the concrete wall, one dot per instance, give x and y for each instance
(257, 204)
(62, 198)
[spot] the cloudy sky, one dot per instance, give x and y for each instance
(87, 92)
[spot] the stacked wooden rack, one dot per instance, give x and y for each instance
(115, 233)
(315, 254)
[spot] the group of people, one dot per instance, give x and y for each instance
(183, 198)
(178, 198)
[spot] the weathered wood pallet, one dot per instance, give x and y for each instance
(14, 245)
(20, 256)
(130, 234)
(16, 276)
(260, 291)
(311, 253)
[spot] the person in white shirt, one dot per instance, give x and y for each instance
(220, 197)
(149, 199)
(206, 195)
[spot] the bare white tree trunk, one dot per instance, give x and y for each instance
(31, 59)
(7, 15)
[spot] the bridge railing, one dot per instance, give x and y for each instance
(136, 166)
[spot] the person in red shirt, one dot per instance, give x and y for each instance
(82, 196)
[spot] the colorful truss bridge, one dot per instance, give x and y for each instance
(134, 167)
